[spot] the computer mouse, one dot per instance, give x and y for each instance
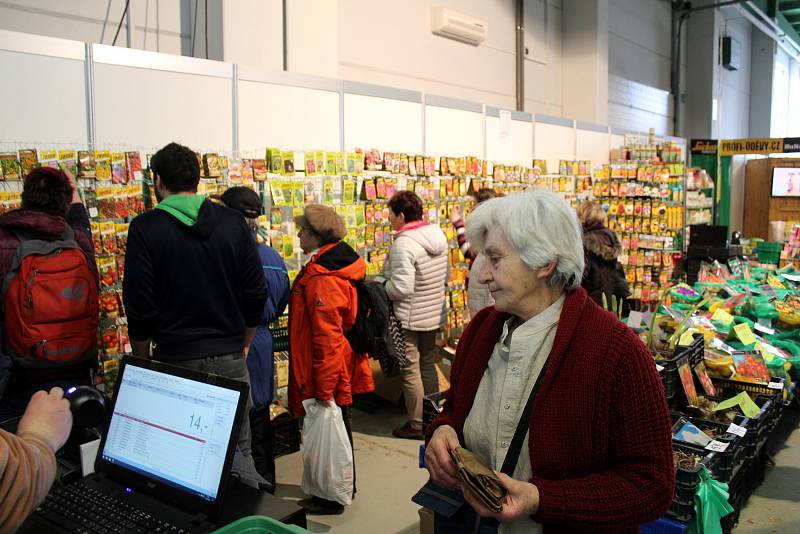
(88, 406)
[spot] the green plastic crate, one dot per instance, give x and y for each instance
(769, 246)
(769, 257)
(259, 524)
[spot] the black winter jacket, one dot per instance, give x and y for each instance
(603, 272)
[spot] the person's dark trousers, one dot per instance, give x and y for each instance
(263, 445)
(347, 416)
(234, 367)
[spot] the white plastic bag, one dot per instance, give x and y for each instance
(327, 454)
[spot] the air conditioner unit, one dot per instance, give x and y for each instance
(448, 23)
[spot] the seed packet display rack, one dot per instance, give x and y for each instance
(116, 186)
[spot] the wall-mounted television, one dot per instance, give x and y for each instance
(786, 182)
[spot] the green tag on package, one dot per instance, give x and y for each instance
(749, 408)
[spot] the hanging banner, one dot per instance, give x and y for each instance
(704, 146)
(730, 147)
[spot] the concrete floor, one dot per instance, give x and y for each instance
(773, 507)
(387, 477)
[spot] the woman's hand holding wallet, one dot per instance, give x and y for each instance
(438, 458)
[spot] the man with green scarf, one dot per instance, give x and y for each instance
(193, 284)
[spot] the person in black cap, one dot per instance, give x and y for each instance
(260, 358)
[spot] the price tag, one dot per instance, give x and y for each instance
(737, 430)
(722, 316)
(744, 334)
(635, 319)
(127, 348)
(659, 368)
(93, 212)
(764, 329)
(717, 446)
(775, 385)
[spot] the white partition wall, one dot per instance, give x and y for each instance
(592, 143)
(554, 140)
(59, 93)
(145, 99)
(287, 111)
(43, 91)
(617, 138)
(453, 127)
(509, 137)
(377, 116)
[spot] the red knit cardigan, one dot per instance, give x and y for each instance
(600, 440)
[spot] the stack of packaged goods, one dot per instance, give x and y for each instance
(645, 204)
(573, 180)
(699, 197)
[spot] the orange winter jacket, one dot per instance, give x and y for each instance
(322, 306)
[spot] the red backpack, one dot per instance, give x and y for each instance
(50, 303)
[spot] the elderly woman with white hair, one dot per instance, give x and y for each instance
(552, 388)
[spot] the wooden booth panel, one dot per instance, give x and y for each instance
(759, 206)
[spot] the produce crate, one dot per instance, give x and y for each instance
(756, 471)
(729, 462)
(259, 524)
(286, 430)
(431, 406)
(759, 427)
(737, 498)
(728, 388)
(682, 507)
(769, 252)
(669, 375)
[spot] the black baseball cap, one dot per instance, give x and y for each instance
(244, 200)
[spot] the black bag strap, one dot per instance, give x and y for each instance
(514, 450)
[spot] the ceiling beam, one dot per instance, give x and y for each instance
(789, 5)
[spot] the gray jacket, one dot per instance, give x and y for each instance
(417, 271)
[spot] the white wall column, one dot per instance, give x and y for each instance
(585, 49)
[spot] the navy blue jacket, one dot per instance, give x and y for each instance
(260, 359)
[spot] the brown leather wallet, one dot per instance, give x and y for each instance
(481, 481)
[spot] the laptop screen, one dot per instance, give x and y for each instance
(171, 429)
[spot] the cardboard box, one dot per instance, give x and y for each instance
(390, 388)
(426, 522)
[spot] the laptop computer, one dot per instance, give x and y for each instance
(164, 460)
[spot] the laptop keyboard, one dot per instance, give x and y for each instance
(81, 509)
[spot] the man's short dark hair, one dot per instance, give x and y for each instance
(178, 168)
(47, 190)
(407, 203)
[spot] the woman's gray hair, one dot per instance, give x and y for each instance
(541, 227)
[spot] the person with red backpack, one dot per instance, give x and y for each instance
(49, 291)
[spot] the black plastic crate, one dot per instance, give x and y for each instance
(737, 490)
(286, 430)
(756, 471)
(431, 406)
(682, 507)
(681, 510)
(669, 374)
(729, 462)
(727, 388)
